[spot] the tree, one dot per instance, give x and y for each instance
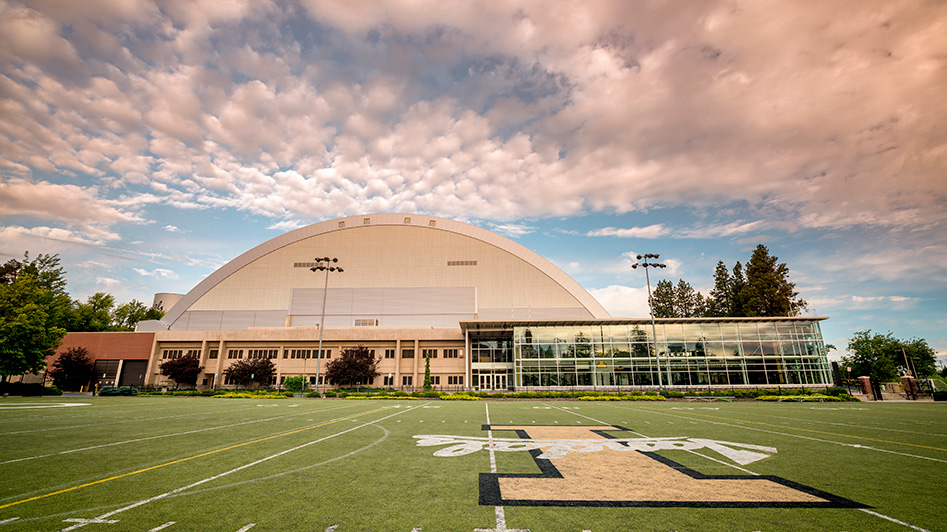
(768, 290)
(873, 355)
(354, 366)
(737, 296)
(921, 358)
(95, 315)
(427, 373)
(33, 307)
(253, 371)
(294, 384)
(719, 302)
(662, 300)
(182, 370)
(127, 315)
(72, 370)
(681, 301)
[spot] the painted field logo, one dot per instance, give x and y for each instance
(587, 466)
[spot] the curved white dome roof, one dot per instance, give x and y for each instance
(404, 264)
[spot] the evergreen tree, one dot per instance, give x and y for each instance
(662, 300)
(719, 301)
(427, 373)
(737, 284)
(688, 303)
(768, 290)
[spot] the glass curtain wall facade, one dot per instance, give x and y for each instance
(719, 353)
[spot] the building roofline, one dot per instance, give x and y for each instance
(509, 324)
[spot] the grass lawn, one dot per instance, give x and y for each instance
(186, 464)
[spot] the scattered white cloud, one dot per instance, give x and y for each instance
(171, 229)
(623, 301)
(651, 231)
(512, 230)
(158, 273)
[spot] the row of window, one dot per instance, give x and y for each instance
(299, 353)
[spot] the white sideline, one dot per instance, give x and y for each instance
(234, 470)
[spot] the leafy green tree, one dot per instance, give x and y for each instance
(33, 306)
(920, 357)
(873, 355)
(127, 315)
(355, 365)
(253, 371)
(768, 290)
(293, 384)
(183, 371)
(72, 370)
(94, 315)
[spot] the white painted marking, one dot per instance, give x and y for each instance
(855, 445)
(248, 527)
(893, 520)
(416, 529)
(25, 406)
(161, 527)
(10, 520)
(215, 477)
(429, 406)
(89, 521)
(332, 528)
(136, 440)
(498, 510)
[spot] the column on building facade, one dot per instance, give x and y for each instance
(415, 381)
(397, 381)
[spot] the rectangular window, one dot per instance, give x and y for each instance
(455, 380)
(389, 380)
(429, 353)
(389, 353)
(406, 380)
(326, 353)
(193, 353)
(451, 353)
(407, 353)
(361, 322)
(299, 353)
(212, 353)
(436, 380)
(235, 353)
(172, 353)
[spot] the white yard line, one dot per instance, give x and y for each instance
(498, 510)
(136, 440)
(855, 445)
(234, 470)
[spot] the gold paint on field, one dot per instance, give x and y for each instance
(632, 476)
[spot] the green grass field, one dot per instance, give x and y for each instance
(202, 464)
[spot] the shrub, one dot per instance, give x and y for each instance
(244, 395)
(109, 391)
(459, 397)
(800, 398)
(940, 396)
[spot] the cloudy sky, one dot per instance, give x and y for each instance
(148, 143)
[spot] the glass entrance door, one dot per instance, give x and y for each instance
(493, 381)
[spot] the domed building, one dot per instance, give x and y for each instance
(487, 312)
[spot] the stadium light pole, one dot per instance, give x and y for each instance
(322, 264)
(654, 334)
